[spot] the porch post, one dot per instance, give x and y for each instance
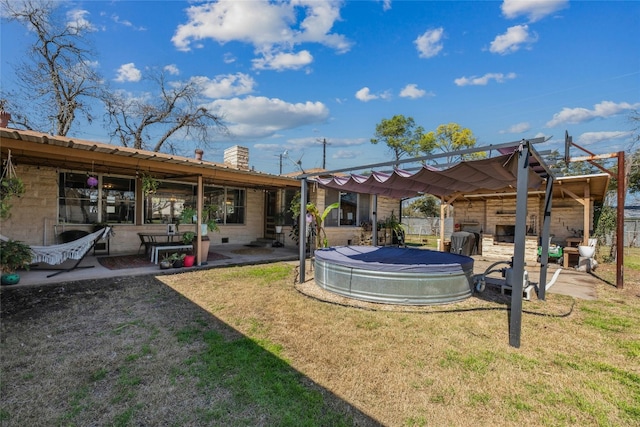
(199, 205)
(374, 223)
(544, 238)
(302, 228)
(515, 321)
(442, 208)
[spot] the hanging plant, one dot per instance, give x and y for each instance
(10, 186)
(92, 181)
(149, 184)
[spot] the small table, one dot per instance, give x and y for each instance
(156, 249)
(568, 253)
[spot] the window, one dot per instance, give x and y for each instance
(354, 208)
(118, 200)
(230, 204)
(166, 204)
(234, 206)
(111, 200)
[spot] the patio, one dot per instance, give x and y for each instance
(569, 281)
(219, 256)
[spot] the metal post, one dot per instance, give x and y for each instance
(302, 227)
(515, 321)
(544, 242)
(620, 223)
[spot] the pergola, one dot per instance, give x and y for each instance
(522, 169)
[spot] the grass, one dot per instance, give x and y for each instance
(243, 347)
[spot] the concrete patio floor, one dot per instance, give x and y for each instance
(569, 281)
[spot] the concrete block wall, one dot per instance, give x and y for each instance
(34, 214)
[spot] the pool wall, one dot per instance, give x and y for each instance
(394, 275)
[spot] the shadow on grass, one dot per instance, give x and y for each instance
(257, 385)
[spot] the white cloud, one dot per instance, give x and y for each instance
(601, 110)
(533, 9)
(518, 128)
(512, 40)
(411, 91)
(429, 44)
(259, 117)
(272, 28)
(386, 5)
(365, 95)
(128, 73)
(283, 61)
(77, 21)
(590, 138)
(345, 154)
(126, 23)
(229, 58)
(484, 80)
(225, 86)
(313, 141)
(172, 69)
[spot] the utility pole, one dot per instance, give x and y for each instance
(324, 152)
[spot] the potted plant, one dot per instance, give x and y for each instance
(318, 218)
(149, 184)
(13, 256)
(167, 261)
(279, 218)
(10, 186)
(178, 260)
(188, 238)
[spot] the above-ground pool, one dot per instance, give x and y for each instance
(393, 275)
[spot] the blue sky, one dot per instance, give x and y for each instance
(286, 75)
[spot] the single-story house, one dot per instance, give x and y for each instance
(60, 195)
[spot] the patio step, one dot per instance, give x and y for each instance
(262, 242)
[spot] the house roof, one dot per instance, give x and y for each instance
(40, 149)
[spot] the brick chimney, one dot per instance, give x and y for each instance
(237, 157)
(4, 118)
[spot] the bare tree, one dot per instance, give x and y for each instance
(57, 79)
(149, 122)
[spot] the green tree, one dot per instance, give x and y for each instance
(56, 78)
(401, 135)
(426, 205)
(450, 138)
